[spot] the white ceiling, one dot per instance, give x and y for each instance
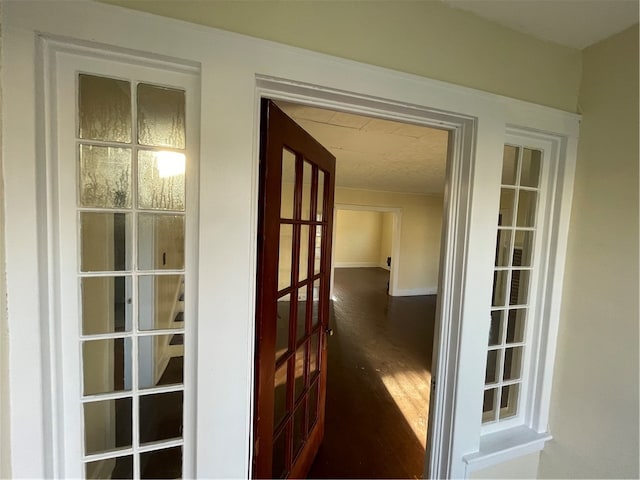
(573, 23)
(376, 154)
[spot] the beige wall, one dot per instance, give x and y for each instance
(419, 234)
(594, 416)
(5, 460)
(426, 38)
(521, 467)
(358, 238)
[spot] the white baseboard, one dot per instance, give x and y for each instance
(412, 292)
(355, 264)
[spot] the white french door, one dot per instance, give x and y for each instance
(123, 181)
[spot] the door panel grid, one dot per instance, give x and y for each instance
(295, 224)
(131, 217)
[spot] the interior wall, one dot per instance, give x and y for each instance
(5, 457)
(358, 238)
(594, 407)
(426, 38)
(386, 240)
(420, 232)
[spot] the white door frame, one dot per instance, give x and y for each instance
(395, 239)
(455, 232)
(235, 71)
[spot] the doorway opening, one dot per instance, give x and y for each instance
(383, 295)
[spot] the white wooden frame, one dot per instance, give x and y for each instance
(235, 71)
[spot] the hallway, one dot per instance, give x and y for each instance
(378, 380)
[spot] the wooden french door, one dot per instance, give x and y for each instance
(292, 314)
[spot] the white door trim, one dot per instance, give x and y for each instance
(455, 232)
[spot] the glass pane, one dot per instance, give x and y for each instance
(282, 327)
(160, 360)
(509, 401)
(278, 459)
(317, 251)
(160, 416)
(284, 256)
(159, 304)
(530, 176)
(510, 165)
(299, 429)
(299, 371)
(313, 405)
(106, 305)
(306, 191)
(315, 318)
(105, 239)
(280, 395)
(515, 325)
(160, 242)
(507, 201)
(161, 180)
(320, 201)
(489, 405)
(120, 467)
(512, 363)
(165, 463)
(493, 367)
(107, 425)
(495, 331)
(314, 356)
(288, 183)
(519, 287)
(526, 208)
(304, 253)
(523, 248)
(106, 365)
(161, 116)
(499, 288)
(301, 318)
(105, 109)
(503, 248)
(105, 177)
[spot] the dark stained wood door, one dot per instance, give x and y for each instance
(292, 312)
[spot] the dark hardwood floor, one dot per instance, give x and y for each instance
(379, 361)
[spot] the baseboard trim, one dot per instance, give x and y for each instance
(412, 292)
(356, 264)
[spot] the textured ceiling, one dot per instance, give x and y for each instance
(573, 23)
(377, 154)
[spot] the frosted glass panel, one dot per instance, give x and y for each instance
(105, 241)
(160, 241)
(105, 177)
(107, 425)
(161, 180)
(104, 105)
(106, 305)
(161, 121)
(106, 365)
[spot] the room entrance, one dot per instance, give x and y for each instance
(379, 359)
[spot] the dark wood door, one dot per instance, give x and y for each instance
(292, 312)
